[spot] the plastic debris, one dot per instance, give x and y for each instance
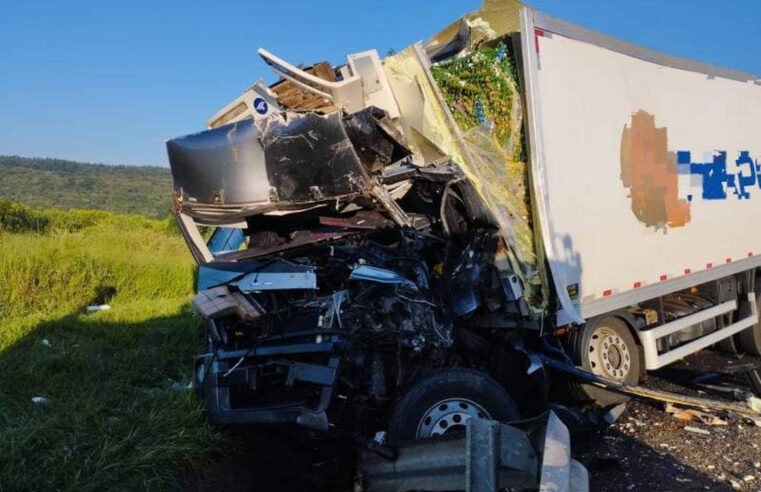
(482, 92)
(691, 414)
(98, 307)
(39, 400)
(754, 403)
(612, 415)
(178, 386)
(697, 430)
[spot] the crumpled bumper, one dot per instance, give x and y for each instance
(271, 384)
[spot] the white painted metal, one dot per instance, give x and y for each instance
(345, 94)
(582, 90)
(649, 338)
(682, 323)
(257, 102)
(569, 312)
(376, 89)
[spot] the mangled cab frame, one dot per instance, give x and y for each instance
(393, 239)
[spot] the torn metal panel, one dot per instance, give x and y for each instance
(309, 158)
(221, 301)
(278, 275)
(381, 275)
(495, 19)
(376, 141)
(360, 220)
(285, 161)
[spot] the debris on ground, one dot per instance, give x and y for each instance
(697, 430)
(693, 414)
(39, 400)
(648, 449)
(98, 307)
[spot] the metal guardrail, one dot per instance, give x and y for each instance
(489, 456)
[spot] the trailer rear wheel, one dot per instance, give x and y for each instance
(750, 340)
(606, 348)
(441, 401)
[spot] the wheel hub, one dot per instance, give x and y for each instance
(609, 356)
(449, 416)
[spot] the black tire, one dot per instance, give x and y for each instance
(730, 345)
(749, 340)
(443, 385)
(581, 346)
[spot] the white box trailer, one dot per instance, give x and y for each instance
(647, 175)
(623, 192)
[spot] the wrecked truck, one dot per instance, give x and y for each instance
(383, 245)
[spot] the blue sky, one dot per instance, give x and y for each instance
(109, 82)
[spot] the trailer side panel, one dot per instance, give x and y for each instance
(648, 167)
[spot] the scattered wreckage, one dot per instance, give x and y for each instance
(402, 245)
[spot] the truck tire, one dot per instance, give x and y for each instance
(730, 345)
(441, 401)
(605, 347)
(750, 340)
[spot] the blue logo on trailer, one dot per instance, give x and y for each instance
(260, 105)
(717, 180)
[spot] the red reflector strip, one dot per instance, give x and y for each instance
(637, 285)
(537, 34)
(687, 271)
(709, 266)
(607, 293)
(664, 277)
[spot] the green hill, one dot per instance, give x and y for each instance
(61, 184)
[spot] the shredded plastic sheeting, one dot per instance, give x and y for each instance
(418, 104)
(482, 154)
(495, 18)
(482, 92)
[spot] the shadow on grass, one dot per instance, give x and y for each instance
(117, 414)
(94, 402)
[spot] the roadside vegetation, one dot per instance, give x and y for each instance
(96, 401)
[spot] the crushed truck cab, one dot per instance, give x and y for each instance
(394, 245)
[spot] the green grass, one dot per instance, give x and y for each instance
(118, 415)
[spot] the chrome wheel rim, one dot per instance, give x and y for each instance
(609, 356)
(449, 416)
